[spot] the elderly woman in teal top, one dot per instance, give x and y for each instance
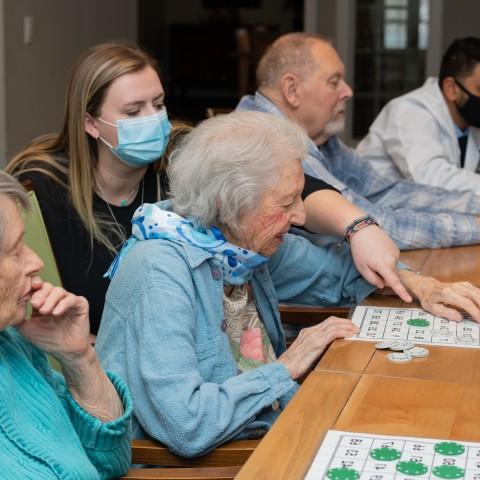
(72, 427)
(191, 320)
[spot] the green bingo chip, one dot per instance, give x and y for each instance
(418, 322)
(449, 448)
(448, 471)
(343, 474)
(412, 468)
(385, 454)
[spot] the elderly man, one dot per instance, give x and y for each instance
(432, 135)
(301, 77)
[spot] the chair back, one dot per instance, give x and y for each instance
(223, 463)
(36, 237)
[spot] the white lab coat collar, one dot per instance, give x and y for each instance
(431, 98)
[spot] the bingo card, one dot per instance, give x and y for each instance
(416, 325)
(352, 456)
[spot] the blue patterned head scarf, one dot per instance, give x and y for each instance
(151, 222)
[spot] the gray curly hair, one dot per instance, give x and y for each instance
(223, 167)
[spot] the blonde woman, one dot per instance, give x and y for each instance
(108, 158)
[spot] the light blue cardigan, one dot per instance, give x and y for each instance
(162, 332)
(44, 434)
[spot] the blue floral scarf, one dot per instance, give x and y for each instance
(151, 222)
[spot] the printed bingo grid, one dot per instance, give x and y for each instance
(352, 456)
(414, 324)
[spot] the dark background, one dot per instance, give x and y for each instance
(208, 49)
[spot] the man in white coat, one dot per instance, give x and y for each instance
(432, 135)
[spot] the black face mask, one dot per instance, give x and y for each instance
(470, 110)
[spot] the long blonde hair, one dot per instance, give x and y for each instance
(91, 76)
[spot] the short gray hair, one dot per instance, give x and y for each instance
(290, 53)
(223, 167)
(9, 187)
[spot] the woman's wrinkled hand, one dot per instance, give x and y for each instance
(448, 300)
(311, 343)
(59, 324)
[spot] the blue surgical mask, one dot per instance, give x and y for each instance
(141, 140)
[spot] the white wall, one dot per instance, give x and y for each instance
(335, 19)
(460, 19)
(36, 74)
(3, 114)
(449, 20)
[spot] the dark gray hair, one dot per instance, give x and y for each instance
(224, 166)
(9, 187)
(289, 53)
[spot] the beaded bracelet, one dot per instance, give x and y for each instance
(357, 225)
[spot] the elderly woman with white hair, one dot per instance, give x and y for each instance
(72, 427)
(191, 320)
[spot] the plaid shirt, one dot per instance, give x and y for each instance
(415, 216)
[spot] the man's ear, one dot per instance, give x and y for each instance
(289, 89)
(91, 127)
(450, 89)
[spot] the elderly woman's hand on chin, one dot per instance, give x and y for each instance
(60, 326)
(311, 343)
(446, 300)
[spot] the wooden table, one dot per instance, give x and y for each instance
(355, 388)
(447, 264)
(452, 264)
